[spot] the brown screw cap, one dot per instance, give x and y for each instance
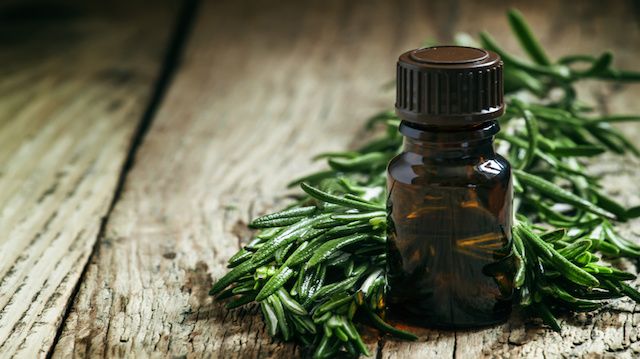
(449, 86)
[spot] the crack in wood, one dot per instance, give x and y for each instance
(176, 44)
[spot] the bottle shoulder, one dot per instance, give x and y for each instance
(412, 168)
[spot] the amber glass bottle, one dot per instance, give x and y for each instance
(450, 193)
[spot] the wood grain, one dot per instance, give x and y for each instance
(264, 86)
(74, 83)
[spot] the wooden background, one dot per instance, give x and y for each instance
(136, 141)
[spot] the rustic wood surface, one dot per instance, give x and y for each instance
(74, 84)
(260, 88)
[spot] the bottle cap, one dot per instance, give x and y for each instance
(449, 86)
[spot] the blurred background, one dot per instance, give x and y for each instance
(342, 40)
(324, 45)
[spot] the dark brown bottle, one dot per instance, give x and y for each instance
(450, 194)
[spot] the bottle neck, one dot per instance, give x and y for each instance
(449, 143)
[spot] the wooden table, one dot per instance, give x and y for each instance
(138, 140)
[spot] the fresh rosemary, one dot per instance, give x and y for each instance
(317, 267)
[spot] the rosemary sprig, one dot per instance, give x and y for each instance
(317, 268)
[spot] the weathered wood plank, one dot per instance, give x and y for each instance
(74, 83)
(263, 87)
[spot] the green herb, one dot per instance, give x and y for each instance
(317, 268)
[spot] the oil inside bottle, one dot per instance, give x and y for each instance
(449, 248)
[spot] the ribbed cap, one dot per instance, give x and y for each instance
(449, 86)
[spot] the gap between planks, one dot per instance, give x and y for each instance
(171, 62)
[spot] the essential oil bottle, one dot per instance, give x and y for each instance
(450, 194)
